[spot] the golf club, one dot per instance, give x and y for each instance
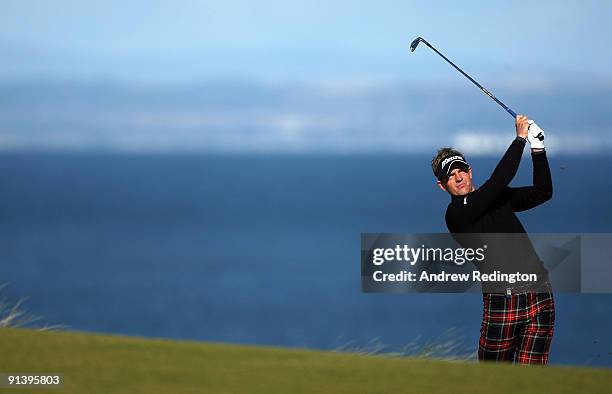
(416, 42)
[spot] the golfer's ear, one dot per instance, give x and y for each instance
(440, 185)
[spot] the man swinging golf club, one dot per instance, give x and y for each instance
(517, 320)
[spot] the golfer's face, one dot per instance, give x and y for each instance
(459, 182)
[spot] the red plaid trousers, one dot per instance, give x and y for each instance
(517, 327)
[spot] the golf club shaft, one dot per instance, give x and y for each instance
(511, 112)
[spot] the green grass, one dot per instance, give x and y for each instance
(94, 363)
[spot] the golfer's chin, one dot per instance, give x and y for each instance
(460, 191)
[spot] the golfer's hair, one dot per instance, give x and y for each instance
(442, 153)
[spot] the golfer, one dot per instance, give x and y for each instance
(518, 319)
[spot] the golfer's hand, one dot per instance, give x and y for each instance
(536, 136)
(522, 126)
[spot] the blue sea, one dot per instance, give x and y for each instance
(260, 249)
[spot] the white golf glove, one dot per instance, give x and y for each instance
(535, 136)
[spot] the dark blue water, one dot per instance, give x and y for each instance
(261, 250)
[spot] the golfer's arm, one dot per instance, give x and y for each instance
(523, 198)
(479, 200)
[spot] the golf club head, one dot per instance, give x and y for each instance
(414, 44)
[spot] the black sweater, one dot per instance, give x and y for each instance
(491, 209)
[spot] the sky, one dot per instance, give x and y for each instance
(187, 40)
